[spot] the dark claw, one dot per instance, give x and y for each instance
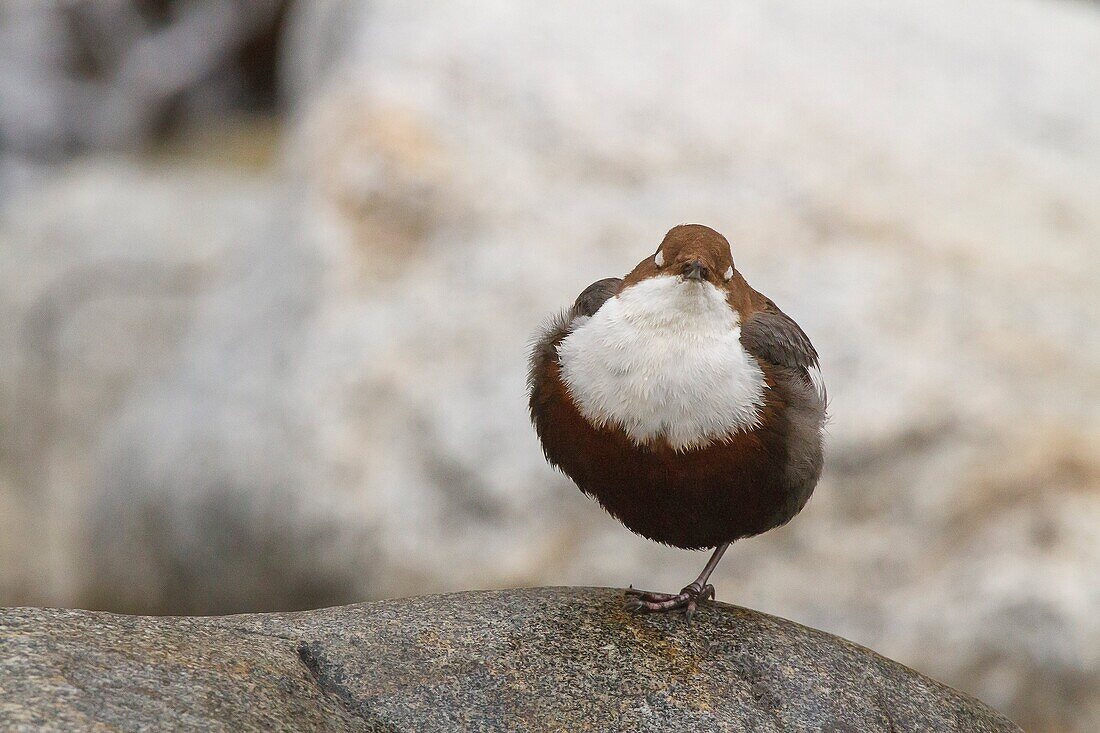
(687, 600)
(649, 595)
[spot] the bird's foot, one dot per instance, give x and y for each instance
(687, 600)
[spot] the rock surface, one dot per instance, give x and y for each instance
(541, 659)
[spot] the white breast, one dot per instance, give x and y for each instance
(664, 359)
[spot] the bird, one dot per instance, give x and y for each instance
(683, 401)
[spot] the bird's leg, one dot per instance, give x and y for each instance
(687, 599)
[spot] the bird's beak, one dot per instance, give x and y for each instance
(694, 270)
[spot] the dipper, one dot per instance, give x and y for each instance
(684, 401)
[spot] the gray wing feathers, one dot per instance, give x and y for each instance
(773, 336)
(592, 297)
(777, 338)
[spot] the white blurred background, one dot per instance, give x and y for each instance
(269, 270)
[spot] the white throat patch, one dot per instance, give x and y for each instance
(663, 358)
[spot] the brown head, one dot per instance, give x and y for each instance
(689, 251)
(695, 252)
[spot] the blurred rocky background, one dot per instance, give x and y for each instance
(269, 270)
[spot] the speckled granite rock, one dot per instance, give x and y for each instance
(553, 659)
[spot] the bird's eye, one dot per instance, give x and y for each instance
(728, 274)
(659, 259)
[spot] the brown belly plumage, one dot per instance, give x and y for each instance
(690, 499)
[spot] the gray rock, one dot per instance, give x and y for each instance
(82, 76)
(561, 659)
